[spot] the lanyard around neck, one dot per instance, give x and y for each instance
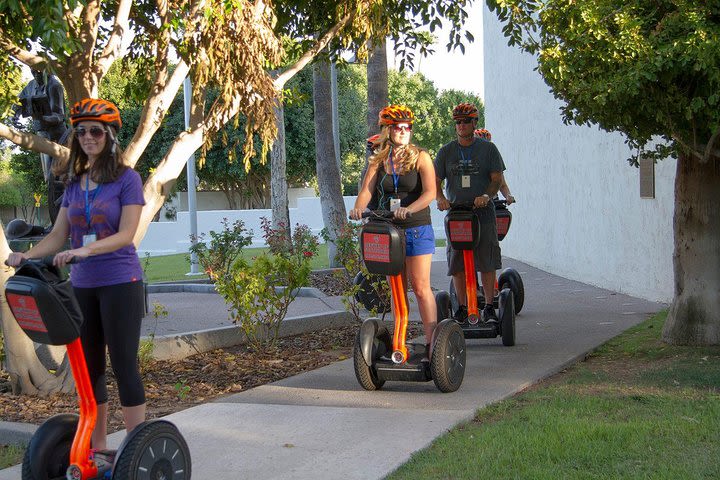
(396, 178)
(88, 200)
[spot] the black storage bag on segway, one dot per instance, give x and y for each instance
(503, 218)
(382, 247)
(462, 229)
(43, 304)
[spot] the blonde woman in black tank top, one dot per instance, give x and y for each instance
(402, 177)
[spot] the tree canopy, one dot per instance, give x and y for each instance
(647, 69)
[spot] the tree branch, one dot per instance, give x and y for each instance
(22, 55)
(34, 142)
(286, 75)
(115, 43)
(710, 147)
(154, 111)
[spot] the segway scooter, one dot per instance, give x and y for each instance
(379, 357)
(508, 277)
(462, 228)
(45, 308)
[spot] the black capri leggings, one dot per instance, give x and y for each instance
(112, 317)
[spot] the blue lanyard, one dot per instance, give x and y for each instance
(465, 161)
(396, 178)
(88, 201)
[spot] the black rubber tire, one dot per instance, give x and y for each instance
(156, 450)
(507, 323)
(443, 305)
(448, 357)
(365, 375)
(511, 279)
(48, 453)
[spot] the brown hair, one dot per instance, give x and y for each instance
(108, 167)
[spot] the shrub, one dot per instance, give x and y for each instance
(259, 293)
(224, 248)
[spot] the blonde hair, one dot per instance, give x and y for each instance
(404, 157)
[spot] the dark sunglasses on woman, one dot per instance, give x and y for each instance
(95, 132)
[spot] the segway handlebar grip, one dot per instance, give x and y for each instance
(47, 260)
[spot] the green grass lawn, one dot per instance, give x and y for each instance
(168, 268)
(637, 408)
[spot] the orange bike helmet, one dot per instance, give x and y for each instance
(483, 133)
(465, 110)
(98, 110)
(394, 114)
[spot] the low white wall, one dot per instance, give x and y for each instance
(164, 238)
(579, 212)
(218, 201)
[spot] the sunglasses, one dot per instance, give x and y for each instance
(403, 126)
(95, 132)
(464, 120)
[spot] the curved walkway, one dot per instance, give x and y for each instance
(322, 425)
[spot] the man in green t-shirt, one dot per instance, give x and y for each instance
(472, 170)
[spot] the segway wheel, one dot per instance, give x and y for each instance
(366, 375)
(48, 453)
(443, 304)
(510, 278)
(155, 450)
(507, 317)
(448, 357)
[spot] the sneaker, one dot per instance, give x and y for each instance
(460, 315)
(488, 314)
(104, 459)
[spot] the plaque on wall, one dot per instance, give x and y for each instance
(647, 178)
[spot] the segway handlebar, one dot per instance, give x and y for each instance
(471, 206)
(47, 261)
(385, 214)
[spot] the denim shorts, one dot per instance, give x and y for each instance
(419, 241)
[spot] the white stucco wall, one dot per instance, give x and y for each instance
(579, 212)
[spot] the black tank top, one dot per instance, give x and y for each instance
(409, 189)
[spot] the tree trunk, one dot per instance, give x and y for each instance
(328, 171)
(377, 93)
(278, 177)
(27, 374)
(694, 317)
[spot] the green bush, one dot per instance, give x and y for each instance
(260, 293)
(224, 248)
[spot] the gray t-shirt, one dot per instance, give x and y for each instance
(476, 161)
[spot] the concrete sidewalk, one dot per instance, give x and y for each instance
(323, 425)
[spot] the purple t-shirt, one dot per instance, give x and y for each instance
(106, 202)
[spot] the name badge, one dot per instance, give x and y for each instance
(88, 239)
(394, 204)
(466, 181)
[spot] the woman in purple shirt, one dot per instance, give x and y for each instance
(100, 213)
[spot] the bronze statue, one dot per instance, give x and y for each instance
(43, 99)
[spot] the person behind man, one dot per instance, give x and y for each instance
(401, 178)
(100, 213)
(484, 134)
(472, 170)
